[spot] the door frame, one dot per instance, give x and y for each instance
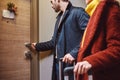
(34, 37)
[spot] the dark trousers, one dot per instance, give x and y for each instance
(63, 66)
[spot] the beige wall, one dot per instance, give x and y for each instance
(47, 18)
(46, 27)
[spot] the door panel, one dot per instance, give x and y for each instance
(13, 35)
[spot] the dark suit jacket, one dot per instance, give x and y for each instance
(73, 24)
(102, 42)
(68, 36)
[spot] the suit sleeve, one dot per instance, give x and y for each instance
(43, 46)
(82, 20)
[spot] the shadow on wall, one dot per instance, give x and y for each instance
(45, 54)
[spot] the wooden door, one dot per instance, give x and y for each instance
(13, 35)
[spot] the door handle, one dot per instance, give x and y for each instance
(28, 45)
(28, 55)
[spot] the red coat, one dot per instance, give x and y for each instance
(102, 43)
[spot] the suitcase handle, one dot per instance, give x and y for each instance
(60, 68)
(69, 70)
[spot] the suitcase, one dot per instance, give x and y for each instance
(69, 70)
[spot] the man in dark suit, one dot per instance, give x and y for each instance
(70, 25)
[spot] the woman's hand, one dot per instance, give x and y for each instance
(82, 67)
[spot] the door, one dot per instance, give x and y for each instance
(13, 34)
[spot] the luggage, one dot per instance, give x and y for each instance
(68, 71)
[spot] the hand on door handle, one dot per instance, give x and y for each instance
(30, 47)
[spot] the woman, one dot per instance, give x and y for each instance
(100, 47)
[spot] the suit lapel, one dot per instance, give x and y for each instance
(65, 15)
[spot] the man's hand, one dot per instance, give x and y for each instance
(82, 67)
(33, 45)
(68, 58)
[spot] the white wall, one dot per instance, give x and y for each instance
(47, 18)
(80, 3)
(46, 27)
